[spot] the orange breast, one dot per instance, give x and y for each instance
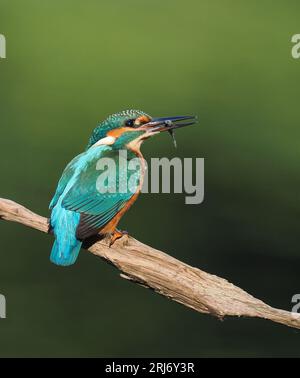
(111, 226)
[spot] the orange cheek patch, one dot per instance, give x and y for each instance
(142, 119)
(116, 133)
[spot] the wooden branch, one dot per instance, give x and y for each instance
(166, 275)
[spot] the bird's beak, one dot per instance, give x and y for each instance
(157, 125)
(168, 123)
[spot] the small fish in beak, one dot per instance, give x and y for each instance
(169, 124)
(172, 133)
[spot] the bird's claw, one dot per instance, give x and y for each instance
(117, 234)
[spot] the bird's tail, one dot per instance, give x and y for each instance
(65, 254)
(66, 247)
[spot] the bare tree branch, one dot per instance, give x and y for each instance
(166, 275)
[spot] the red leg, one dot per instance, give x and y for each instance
(117, 234)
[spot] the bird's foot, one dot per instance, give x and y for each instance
(117, 234)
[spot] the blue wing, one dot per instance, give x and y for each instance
(95, 207)
(64, 180)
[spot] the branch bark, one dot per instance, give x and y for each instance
(142, 264)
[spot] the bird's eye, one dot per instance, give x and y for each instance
(130, 122)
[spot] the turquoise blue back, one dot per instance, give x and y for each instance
(79, 209)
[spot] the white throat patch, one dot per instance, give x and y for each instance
(109, 140)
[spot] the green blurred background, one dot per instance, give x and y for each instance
(70, 64)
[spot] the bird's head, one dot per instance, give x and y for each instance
(128, 129)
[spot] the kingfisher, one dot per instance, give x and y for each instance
(79, 208)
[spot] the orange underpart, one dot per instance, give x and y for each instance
(110, 227)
